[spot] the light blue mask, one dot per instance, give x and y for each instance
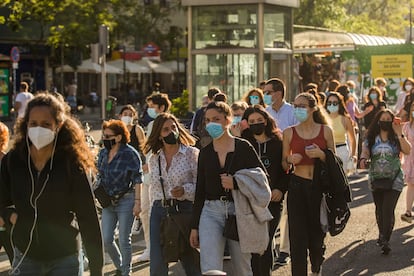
(152, 113)
(236, 120)
(268, 99)
(254, 100)
(373, 96)
(215, 130)
(301, 114)
(351, 90)
(332, 108)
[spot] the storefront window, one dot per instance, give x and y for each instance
(277, 24)
(225, 27)
(234, 74)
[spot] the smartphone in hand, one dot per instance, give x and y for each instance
(397, 120)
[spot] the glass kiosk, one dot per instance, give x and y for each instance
(233, 45)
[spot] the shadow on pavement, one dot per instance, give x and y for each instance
(364, 257)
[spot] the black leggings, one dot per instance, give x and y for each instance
(385, 202)
(262, 265)
(305, 233)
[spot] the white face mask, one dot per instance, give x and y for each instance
(127, 120)
(408, 87)
(40, 136)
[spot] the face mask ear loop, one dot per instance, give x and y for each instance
(33, 203)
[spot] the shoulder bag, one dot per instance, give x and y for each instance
(174, 229)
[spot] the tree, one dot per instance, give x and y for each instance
(146, 23)
(375, 17)
(73, 24)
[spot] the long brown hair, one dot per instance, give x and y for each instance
(70, 138)
(154, 144)
(319, 115)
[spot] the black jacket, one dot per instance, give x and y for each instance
(66, 193)
(334, 183)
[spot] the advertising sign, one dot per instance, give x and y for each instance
(4, 80)
(392, 66)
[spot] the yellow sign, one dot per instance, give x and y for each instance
(392, 66)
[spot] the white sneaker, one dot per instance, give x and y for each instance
(137, 226)
(144, 257)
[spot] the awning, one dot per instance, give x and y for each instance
(172, 64)
(130, 67)
(321, 41)
(155, 67)
(87, 66)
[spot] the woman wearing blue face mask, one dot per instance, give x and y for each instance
(254, 96)
(302, 145)
(343, 130)
(374, 103)
(219, 164)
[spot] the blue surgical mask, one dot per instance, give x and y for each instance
(215, 130)
(254, 100)
(268, 99)
(301, 114)
(152, 113)
(373, 96)
(351, 90)
(332, 108)
(236, 120)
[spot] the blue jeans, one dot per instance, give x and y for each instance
(67, 266)
(123, 216)
(158, 267)
(212, 241)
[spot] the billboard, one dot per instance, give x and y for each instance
(392, 66)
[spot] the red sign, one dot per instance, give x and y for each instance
(151, 50)
(15, 54)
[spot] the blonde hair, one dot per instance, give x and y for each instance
(4, 137)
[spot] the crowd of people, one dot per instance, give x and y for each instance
(252, 164)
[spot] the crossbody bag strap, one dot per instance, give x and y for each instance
(161, 179)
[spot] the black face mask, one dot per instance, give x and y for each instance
(108, 144)
(385, 125)
(171, 138)
(257, 129)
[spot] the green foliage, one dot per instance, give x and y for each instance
(141, 24)
(181, 105)
(374, 17)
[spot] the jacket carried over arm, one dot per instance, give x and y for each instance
(251, 200)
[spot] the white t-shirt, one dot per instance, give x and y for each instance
(23, 98)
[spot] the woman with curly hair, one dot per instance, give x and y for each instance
(43, 187)
(4, 236)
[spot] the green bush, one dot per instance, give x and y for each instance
(180, 105)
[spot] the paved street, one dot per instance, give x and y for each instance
(353, 252)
